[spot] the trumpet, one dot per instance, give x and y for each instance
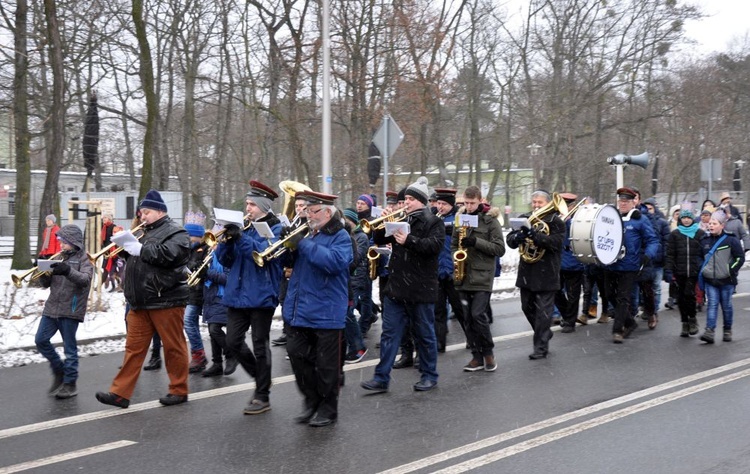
(108, 248)
(19, 279)
(278, 248)
(195, 277)
(379, 223)
(211, 239)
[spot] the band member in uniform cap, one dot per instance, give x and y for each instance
(252, 293)
(411, 291)
(641, 246)
(391, 200)
(571, 277)
(540, 280)
(156, 293)
(316, 306)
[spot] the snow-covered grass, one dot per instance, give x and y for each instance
(103, 330)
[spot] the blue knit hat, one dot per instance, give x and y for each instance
(154, 201)
(367, 200)
(195, 230)
(351, 214)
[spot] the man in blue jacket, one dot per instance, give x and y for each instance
(252, 293)
(315, 308)
(641, 246)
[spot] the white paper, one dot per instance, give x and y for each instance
(517, 222)
(383, 251)
(376, 211)
(467, 220)
(393, 227)
(46, 265)
(228, 216)
(284, 220)
(121, 238)
(264, 230)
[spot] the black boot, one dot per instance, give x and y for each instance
(154, 363)
(57, 383)
(404, 361)
(213, 371)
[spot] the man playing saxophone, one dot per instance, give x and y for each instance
(482, 244)
(539, 267)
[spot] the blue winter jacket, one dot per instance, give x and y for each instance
(318, 293)
(569, 262)
(248, 285)
(639, 238)
(445, 260)
(214, 310)
(662, 230)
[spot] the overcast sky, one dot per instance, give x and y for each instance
(728, 20)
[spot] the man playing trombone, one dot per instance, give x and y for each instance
(252, 292)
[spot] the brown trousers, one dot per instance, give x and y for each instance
(141, 326)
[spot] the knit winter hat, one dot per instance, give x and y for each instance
(71, 234)
(153, 200)
(195, 230)
(720, 217)
(419, 190)
(687, 213)
(351, 214)
(52, 218)
(367, 200)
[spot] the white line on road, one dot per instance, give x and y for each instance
(66, 457)
(100, 415)
(501, 438)
(586, 425)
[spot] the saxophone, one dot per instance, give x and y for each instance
(372, 260)
(459, 256)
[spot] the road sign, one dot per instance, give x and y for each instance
(388, 137)
(711, 169)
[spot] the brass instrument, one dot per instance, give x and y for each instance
(530, 253)
(573, 210)
(379, 223)
(194, 277)
(278, 248)
(19, 279)
(108, 248)
(372, 260)
(212, 241)
(459, 256)
(290, 189)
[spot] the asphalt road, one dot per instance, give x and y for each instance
(657, 403)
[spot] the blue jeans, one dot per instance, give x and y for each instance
(395, 317)
(719, 295)
(352, 333)
(658, 276)
(67, 327)
(192, 313)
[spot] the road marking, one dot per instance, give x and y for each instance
(523, 431)
(586, 425)
(66, 457)
(100, 415)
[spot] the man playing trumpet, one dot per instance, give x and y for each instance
(252, 292)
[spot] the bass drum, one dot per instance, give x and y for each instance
(596, 234)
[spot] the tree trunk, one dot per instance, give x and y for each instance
(146, 72)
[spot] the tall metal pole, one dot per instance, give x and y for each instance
(387, 147)
(326, 146)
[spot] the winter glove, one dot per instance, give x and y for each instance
(133, 248)
(233, 232)
(668, 276)
(515, 238)
(469, 241)
(61, 268)
(285, 230)
(292, 242)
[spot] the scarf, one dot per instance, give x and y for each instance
(690, 230)
(47, 234)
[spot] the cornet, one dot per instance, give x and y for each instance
(95, 257)
(379, 223)
(18, 279)
(278, 248)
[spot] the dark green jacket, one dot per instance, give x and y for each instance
(480, 260)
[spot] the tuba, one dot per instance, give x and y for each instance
(290, 189)
(530, 253)
(459, 256)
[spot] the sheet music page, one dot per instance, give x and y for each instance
(46, 265)
(228, 216)
(264, 230)
(121, 238)
(393, 227)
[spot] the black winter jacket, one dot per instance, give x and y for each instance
(684, 255)
(156, 278)
(543, 275)
(414, 266)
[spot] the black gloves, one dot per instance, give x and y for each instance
(61, 268)
(469, 241)
(285, 230)
(515, 238)
(292, 242)
(668, 276)
(232, 232)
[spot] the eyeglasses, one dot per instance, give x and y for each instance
(312, 213)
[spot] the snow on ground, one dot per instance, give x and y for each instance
(103, 330)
